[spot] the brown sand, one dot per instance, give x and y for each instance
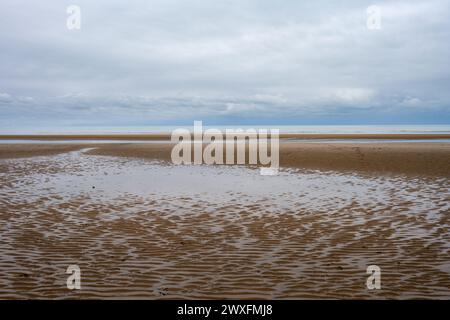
(185, 247)
(405, 158)
(32, 150)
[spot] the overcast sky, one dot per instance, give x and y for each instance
(223, 62)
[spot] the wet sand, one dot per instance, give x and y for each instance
(388, 158)
(33, 150)
(139, 227)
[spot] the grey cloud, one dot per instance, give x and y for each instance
(162, 61)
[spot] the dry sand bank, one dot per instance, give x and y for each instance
(404, 158)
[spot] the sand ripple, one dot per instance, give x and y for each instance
(141, 229)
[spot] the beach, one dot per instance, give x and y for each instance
(140, 227)
(236, 152)
(378, 153)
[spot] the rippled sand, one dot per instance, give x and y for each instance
(146, 229)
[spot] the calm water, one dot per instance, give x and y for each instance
(16, 141)
(398, 129)
(144, 229)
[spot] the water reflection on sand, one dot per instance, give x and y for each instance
(149, 230)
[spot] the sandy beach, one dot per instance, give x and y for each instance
(396, 158)
(418, 158)
(140, 227)
(225, 150)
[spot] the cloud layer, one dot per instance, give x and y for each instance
(231, 62)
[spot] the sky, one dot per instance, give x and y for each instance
(223, 62)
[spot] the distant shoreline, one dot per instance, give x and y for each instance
(166, 136)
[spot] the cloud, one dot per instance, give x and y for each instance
(353, 95)
(411, 102)
(4, 97)
(226, 61)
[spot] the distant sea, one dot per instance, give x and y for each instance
(393, 129)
